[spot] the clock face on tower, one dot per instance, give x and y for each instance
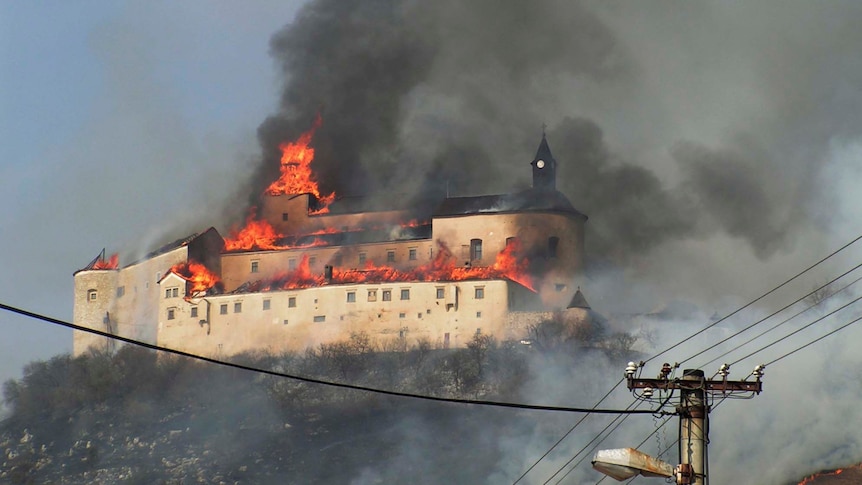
(540, 163)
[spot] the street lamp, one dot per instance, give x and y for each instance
(624, 463)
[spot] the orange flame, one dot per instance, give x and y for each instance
(112, 263)
(255, 235)
(507, 265)
(200, 278)
(811, 479)
(296, 175)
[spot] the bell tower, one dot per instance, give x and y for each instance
(544, 167)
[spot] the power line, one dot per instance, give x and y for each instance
(752, 339)
(584, 417)
(312, 380)
(752, 302)
(801, 329)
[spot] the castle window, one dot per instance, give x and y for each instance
(312, 260)
(372, 295)
(284, 322)
(553, 243)
(390, 256)
(175, 292)
(172, 313)
(351, 297)
(362, 258)
(478, 314)
(412, 254)
(284, 216)
(291, 264)
(319, 318)
(405, 294)
(121, 290)
(387, 295)
(237, 307)
(255, 266)
(475, 249)
(402, 315)
(441, 292)
(291, 302)
(92, 295)
(479, 293)
(267, 304)
(222, 309)
(167, 292)
(194, 312)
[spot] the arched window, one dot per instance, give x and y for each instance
(475, 249)
(553, 243)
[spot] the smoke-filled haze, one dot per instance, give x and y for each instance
(715, 147)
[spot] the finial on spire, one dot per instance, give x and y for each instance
(544, 126)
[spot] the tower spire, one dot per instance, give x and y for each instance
(544, 165)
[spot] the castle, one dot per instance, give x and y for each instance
(313, 270)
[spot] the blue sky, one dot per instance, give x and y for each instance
(109, 111)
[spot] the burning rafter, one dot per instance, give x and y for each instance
(508, 264)
(199, 277)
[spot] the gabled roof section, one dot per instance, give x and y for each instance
(530, 200)
(579, 301)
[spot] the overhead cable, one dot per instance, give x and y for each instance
(322, 382)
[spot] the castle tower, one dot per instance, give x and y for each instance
(544, 167)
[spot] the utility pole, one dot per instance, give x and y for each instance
(693, 410)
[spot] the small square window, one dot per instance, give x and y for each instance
(319, 318)
(405, 294)
(362, 258)
(291, 302)
(412, 254)
(351, 297)
(237, 307)
(284, 322)
(372, 295)
(284, 216)
(255, 266)
(402, 315)
(291, 264)
(171, 313)
(193, 312)
(223, 309)
(441, 293)
(387, 295)
(390, 256)
(478, 314)
(480, 293)
(267, 304)
(121, 291)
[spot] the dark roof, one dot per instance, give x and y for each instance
(354, 204)
(393, 233)
(578, 301)
(530, 200)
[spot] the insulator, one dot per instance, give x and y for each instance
(724, 370)
(647, 392)
(631, 368)
(665, 371)
(758, 371)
